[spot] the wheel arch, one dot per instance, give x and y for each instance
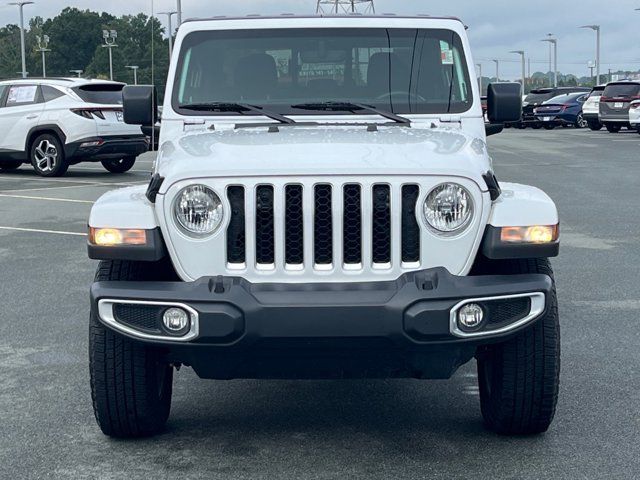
(51, 129)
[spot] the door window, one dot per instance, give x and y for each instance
(19, 95)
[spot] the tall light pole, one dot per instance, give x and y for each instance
(22, 47)
(179, 9)
(524, 72)
(169, 15)
(596, 28)
(135, 73)
(43, 43)
(110, 37)
(479, 65)
(554, 42)
(550, 35)
(497, 62)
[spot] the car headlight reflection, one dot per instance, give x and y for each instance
(448, 208)
(198, 210)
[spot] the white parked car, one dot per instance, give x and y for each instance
(634, 115)
(323, 205)
(54, 123)
(591, 108)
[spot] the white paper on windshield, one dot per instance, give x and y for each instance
(24, 94)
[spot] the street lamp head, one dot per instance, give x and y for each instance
(519, 52)
(21, 4)
(550, 40)
(105, 34)
(113, 34)
(592, 27)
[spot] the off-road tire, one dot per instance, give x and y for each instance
(519, 379)
(48, 145)
(9, 165)
(613, 128)
(548, 127)
(131, 385)
(120, 165)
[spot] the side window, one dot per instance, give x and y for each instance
(50, 93)
(3, 89)
(19, 95)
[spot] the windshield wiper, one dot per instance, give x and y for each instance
(352, 107)
(237, 108)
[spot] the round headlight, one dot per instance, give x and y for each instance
(198, 210)
(448, 208)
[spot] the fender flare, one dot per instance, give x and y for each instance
(43, 128)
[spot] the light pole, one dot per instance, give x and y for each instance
(550, 35)
(77, 72)
(554, 42)
(169, 15)
(135, 73)
(596, 28)
(43, 43)
(524, 72)
(497, 62)
(479, 65)
(110, 37)
(179, 12)
(22, 48)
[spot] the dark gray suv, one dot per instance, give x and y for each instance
(615, 103)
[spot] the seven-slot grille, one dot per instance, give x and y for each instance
(323, 226)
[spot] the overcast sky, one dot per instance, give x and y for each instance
(496, 26)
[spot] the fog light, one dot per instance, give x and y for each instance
(470, 316)
(176, 320)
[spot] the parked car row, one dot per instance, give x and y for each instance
(55, 123)
(612, 106)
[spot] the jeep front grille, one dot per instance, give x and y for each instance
(323, 227)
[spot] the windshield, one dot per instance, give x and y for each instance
(565, 98)
(398, 70)
(105, 93)
(622, 90)
(538, 97)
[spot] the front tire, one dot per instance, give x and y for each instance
(581, 122)
(131, 384)
(47, 156)
(595, 125)
(120, 165)
(519, 379)
(613, 128)
(549, 126)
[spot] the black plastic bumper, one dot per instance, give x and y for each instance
(377, 329)
(106, 148)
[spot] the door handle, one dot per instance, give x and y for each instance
(32, 116)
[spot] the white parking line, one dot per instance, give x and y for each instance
(52, 188)
(62, 180)
(37, 230)
(50, 199)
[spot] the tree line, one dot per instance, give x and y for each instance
(75, 40)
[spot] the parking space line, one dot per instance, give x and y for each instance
(49, 188)
(37, 230)
(62, 180)
(28, 197)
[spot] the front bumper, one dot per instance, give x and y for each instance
(106, 148)
(401, 328)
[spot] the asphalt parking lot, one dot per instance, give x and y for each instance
(340, 429)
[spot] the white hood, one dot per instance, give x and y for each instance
(324, 150)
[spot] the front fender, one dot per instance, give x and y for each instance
(124, 208)
(522, 206)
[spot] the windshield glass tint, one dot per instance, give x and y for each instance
(105, 94)
(596, 93)
(399, 70)
(629, 90)
(538, 97)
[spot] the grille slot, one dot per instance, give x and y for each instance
(505, 311)
(323, 226)
(352, 224)
(236, 235)
(265, 233)
(381, 227)
(140, 317)
(410, 228)
(294, 225)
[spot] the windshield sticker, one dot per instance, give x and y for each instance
(447, 54)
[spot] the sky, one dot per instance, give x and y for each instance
(495, 27)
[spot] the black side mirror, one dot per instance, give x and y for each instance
(504, 102)
(140, 105)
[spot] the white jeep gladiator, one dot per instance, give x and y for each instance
(323, 206)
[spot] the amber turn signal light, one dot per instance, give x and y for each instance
(109, 237)
(532, 234)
